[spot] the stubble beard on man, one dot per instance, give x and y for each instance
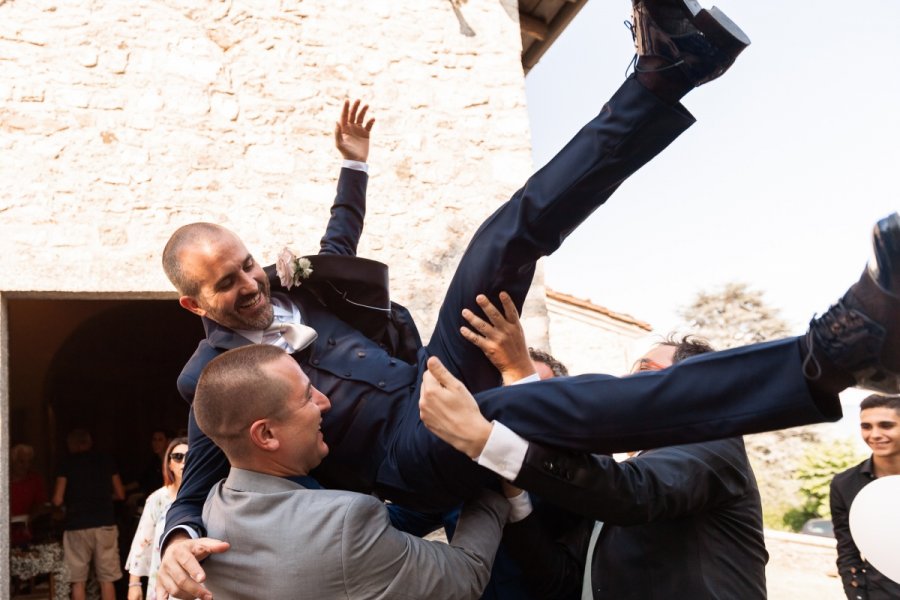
(233, 319)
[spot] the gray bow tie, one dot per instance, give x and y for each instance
(294, 336)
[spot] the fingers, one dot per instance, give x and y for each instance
(337, 134)
(440, 373)
(344, 112)
(362, 114)
(475, 321)
(490, 310)
(369, 125)
(509, 308)
(473, 337)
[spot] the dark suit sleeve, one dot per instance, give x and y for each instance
(552, 562)
(347, 214)
(848, 556)
(204, 467)
(660, 484)
(380, 561)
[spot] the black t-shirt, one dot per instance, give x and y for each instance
(88, 496)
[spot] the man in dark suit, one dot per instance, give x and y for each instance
(678, 521)
(369, 361)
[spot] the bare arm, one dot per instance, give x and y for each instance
(59, 491)
(118, 488)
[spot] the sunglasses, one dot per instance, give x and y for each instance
(177, 457)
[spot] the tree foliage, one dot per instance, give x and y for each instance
(734, 315)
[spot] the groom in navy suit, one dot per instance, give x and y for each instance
(366, 356)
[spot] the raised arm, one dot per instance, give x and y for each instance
(351, 138)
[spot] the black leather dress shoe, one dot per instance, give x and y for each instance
(859, 337)
(680, 34)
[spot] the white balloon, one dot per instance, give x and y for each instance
(875, 524)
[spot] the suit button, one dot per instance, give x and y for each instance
(393, 362)
(315, 361)
(361, 354)
(347, 373)
(331, 341)
(549, 465)
(381, 384)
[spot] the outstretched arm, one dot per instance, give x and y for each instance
(501, 338)
(351, 138)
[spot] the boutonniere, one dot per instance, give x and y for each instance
(291, 269)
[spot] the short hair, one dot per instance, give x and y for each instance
(79, 439)
(880, 401)
(21, 452)
(184, 237)
(235, 390)
(557, 368)
(168, 475)
(687, 346)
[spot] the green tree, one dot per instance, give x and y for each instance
(819, 466)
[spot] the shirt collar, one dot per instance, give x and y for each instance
(284, 310)
(868, 469)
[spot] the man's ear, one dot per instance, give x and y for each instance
(189, 303)
(262, 435)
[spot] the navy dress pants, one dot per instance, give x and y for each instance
(709, 397)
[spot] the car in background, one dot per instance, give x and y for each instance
(820, 527)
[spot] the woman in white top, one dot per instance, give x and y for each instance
(143, 559)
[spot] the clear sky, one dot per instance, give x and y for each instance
(795, 155)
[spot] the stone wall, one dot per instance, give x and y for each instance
(120, 121)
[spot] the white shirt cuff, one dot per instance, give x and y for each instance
(527, 379)
(504, 452)
(356, 165)
(519, 507)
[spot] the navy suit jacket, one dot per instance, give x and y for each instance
(350, 368)
(679, 522)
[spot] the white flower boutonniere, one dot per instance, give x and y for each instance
(291, 269)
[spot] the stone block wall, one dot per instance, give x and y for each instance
(120, 121)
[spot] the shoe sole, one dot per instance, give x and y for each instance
(721, 31)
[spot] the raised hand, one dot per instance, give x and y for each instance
(450, 411)
(351, 132)
(502, 339)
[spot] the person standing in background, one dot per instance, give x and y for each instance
(87, 484)
(143, 559)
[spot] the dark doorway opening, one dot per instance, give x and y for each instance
(108, 366)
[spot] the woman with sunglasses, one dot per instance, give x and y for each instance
(143, 559)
